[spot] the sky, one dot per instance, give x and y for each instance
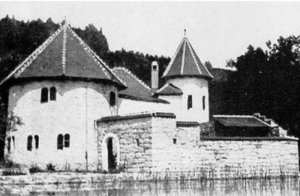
(218, 31)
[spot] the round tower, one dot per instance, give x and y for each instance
(58, 92)
(187, 74)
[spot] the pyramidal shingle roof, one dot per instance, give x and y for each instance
(64, 54)
(169, 89)
(186, 63)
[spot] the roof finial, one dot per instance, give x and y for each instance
(184, 32)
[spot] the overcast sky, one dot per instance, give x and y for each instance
(218, 31)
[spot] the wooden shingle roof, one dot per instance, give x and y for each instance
(186, 63)
(64, 54)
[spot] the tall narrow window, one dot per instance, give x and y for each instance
(13, 141)
(190, 102)
(52, 93)
(36, 139)
(112, 98)
(67, 141)
(44, 95)
(8, 144)
(60, 143)
(29, 143)
(203, 102)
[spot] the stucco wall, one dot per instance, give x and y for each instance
(77, 106)
(128, 106)
(197, 88)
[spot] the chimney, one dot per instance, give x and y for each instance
(154, 76)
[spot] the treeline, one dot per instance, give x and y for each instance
(264, 81)
(18, 39)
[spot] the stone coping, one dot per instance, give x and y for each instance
(249, 138)
(187, 124)
(135, 116)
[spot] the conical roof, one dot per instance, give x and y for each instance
(64, 54)
(186, 63)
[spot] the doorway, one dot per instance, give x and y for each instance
(110, 152)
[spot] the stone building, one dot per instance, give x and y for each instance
(78, 114)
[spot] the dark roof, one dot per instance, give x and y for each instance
(64, 54)
(240, 121)
(187, 124)
(137, 89)
(186, 63)
(135, 116)
(169, 89)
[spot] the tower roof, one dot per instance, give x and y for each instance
(185, 62)
(64, 54)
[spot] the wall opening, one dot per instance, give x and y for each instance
(190, 102)
(110, 152)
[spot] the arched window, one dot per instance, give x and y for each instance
(203, 102)
(29, 143)
(190, 102)
(44, 95)
(67, 141)
(36, 139)
(60, 143)
(8, 144)
(112, 98)
(52, 93)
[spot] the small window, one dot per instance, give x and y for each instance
(52, 93)
(203, 102)
(13, 141)
(190, 102)
(8, 144)
(44, 95)
(29, 143)
(60, 143)
(154, 67)
(36, 139)
(112, 99)
(174, 141)
(137, 142)
(67, 141)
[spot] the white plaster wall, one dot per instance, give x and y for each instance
(197, 88)
(77, 106)
(128, 106)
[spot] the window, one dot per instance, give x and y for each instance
(36, 139)
(67, 141)
(112, 99)
(29, 143)
(154, 67)
(8, 144)
(203, 102)
(44, 95)
(190, 102)
(63, 141)
(174, 141)
(52, 93)
(137, 142)
(60, 144)
(13, 141)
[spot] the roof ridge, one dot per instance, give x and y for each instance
(172, 60)
(192, 49)
(193, 55)
(64, 50)
(226, 115)
(19, 69)
(134, 76)
(96, 58)
(183, 55)
(163, 87)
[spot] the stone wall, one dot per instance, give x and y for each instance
(176, 151)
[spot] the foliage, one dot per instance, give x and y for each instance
(268, 82)
(51, 167)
